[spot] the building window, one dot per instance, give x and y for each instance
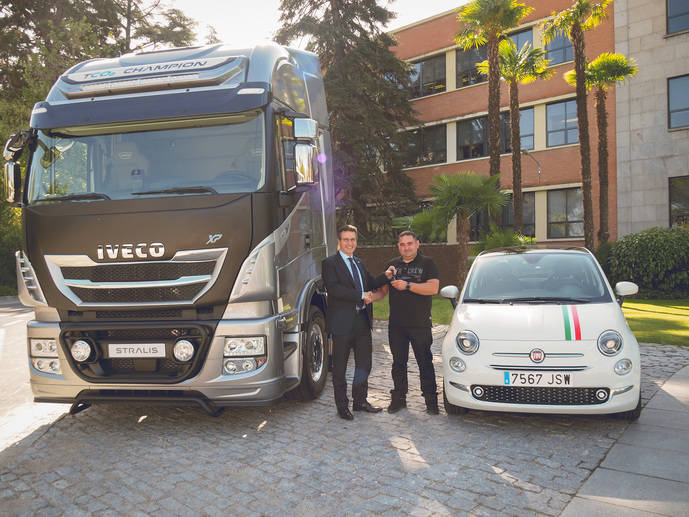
(561, 123)
(679, 201)
(559, 50)
(426, 145)
(677, 16)
(526, 130)
(521, 38)
(472, 138)
(565, 213)
(466, 66)
(479, 224)
(428, 77)
(678, 101)
(528, 214)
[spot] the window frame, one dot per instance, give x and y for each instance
(475, 77)
(667, 19)
(669, 107)
(507, 219)
(423, 150)
(566, 221)
(566, 129)
(420, 77)
(548, 49)
(522, 31)
(669, 188)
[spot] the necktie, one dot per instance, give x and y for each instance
(357, 279)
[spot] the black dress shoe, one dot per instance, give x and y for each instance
(365, 406)
(345, 413)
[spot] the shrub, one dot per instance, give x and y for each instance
(602, 254)
(656, 259)
(10, 241)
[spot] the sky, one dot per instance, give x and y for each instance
(240, 22)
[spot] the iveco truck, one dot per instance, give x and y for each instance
(176, 206)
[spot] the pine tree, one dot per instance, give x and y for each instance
(366, 91)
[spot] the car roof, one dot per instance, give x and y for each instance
(516, 250)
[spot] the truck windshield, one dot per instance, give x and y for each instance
(221, 154)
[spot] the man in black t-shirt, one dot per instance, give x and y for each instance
(413, 280)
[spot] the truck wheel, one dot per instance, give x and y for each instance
(314, 370)
(451, 409)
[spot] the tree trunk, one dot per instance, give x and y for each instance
(577, 36)
(602, 114)
(493, 104)
(515, 141)
(128, 27)
(463, 227)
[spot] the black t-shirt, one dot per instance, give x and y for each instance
(409, 309)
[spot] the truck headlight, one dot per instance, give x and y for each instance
(244, 346)
(81, 350)
(183, 350)
(47, 365)
(43, 347)
(609, 343)
(467, 342)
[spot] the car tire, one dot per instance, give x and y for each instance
(451, 409)
(632, 415)
(314, 370)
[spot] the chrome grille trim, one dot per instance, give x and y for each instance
(534, 367)
(55, 264)
(526, 354)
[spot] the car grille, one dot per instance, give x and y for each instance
(541, 396)
(183, 279)
(166, 369)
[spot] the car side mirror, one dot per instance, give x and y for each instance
(11, 185)
(451, 292)
(623, 289)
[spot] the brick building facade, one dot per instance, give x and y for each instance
(451, 101)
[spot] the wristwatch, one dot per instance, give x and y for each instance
(408, 286)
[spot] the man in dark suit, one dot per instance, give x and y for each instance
(349, 318)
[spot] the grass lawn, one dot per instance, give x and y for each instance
(652, 321)
(658, 321)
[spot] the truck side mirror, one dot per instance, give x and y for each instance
(305, 128)
(11, 185)
(305, 164)
(15, 145)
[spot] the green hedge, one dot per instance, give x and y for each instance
(10, 241)
(657, 260)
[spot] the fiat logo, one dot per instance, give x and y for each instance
(537, 355)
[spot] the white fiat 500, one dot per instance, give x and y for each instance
(540, 330)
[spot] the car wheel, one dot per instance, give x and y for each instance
(451, 409)
(314, 369)
(630, 416)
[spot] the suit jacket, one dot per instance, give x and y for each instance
(344, 295)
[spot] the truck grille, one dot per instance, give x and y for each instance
(181, 280)
(542, 396)
(102, 368)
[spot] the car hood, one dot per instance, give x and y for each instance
(548, 322)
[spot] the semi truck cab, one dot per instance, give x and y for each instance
(176, 207)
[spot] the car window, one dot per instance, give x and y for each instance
(534, 276)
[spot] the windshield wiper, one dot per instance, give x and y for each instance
(76, 197)
(553, 299)
(178, 190)
(481, 300)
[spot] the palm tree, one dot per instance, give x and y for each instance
(600, 74)
(485, 21)
(583, 15)
(518, 66)
(462, 195)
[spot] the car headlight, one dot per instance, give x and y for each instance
(623, 367)
(467, 342)
(609, 343)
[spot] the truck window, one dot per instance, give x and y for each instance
(147, 158)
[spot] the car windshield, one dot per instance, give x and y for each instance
(221, 154)
(536, 277)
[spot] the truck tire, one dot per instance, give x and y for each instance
(314, 370)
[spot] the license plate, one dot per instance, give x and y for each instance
(544, 379)
(134, 350)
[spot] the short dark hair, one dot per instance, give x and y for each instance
(346, 228)
(407, 232)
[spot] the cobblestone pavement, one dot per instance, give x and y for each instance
(301, 459)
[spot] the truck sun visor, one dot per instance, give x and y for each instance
(189, 73)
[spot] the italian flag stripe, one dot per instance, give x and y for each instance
(571, 319)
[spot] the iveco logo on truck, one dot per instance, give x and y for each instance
(130, 251)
